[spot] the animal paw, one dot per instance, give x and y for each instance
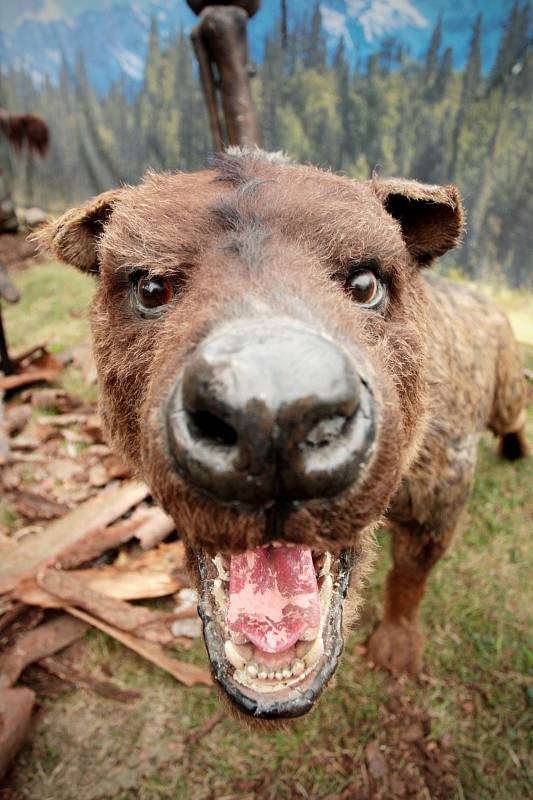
(397, 647)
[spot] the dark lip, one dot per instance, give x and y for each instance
(301, 700)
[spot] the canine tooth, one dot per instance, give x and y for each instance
(326, 590)
(263, 675)
(326, 565)
(278, 676)
(316, 652)
(233, 656)
(238, 676)
(286, 673)
(251, 670)
(219, 593)
(297, 667)
(221, 569)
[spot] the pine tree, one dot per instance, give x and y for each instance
(432, 56)
(149, 105)
(316, 49)
(444, 74)
(513, 42)
(469, 88)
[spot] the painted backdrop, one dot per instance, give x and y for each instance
(421, 88)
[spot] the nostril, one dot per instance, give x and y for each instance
(205, 425)
(325, 432)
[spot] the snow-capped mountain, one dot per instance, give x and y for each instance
(377, 18)
(112, 35)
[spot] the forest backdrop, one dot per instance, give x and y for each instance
(421, 118)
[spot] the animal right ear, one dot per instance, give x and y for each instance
(430, 217)
(73, 237)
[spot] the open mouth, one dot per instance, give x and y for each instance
(272, 621)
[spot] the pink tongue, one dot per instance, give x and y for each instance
(273, 596)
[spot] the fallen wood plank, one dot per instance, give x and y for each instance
(15, 713)
(43, 368)
(38, 643)
(144, 622)
(155, 529)
(187, 674)
(35, 506)
(11, 615)
(155, 573)
(80, 680)
(105, 538)
(122, 586)
(61, 420)
(68, 533)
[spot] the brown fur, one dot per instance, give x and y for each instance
(25, 129)
(257, 236)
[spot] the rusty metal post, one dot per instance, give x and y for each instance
(221, 47)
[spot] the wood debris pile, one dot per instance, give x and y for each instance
(80, 542)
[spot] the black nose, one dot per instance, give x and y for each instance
(270, 410)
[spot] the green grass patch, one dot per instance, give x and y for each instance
(53, 307)
(53, 310)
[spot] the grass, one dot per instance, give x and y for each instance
(475, 697)
(53, 310)
(518, 307)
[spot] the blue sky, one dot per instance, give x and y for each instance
(12, 12)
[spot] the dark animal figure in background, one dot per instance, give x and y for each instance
(20, 130)
(25, 129)
(275, 363)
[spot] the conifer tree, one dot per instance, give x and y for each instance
(469, 88)
(315, 48)
(433, 53)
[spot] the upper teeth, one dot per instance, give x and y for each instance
(233, 656)
(326, 565)
(218, 561)
(220, 595)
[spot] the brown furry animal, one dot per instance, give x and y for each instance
(25, 129)
(274, 362)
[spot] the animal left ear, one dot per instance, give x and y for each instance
(431, 217)
(73, 238)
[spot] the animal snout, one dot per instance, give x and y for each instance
(269, 410)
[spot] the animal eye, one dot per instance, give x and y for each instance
(152, 293)
(365, 288)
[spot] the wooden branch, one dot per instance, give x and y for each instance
(187, 674)
(80, 680)
(144, 622)
(15, 714)
(42, 641)
(71, 534)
